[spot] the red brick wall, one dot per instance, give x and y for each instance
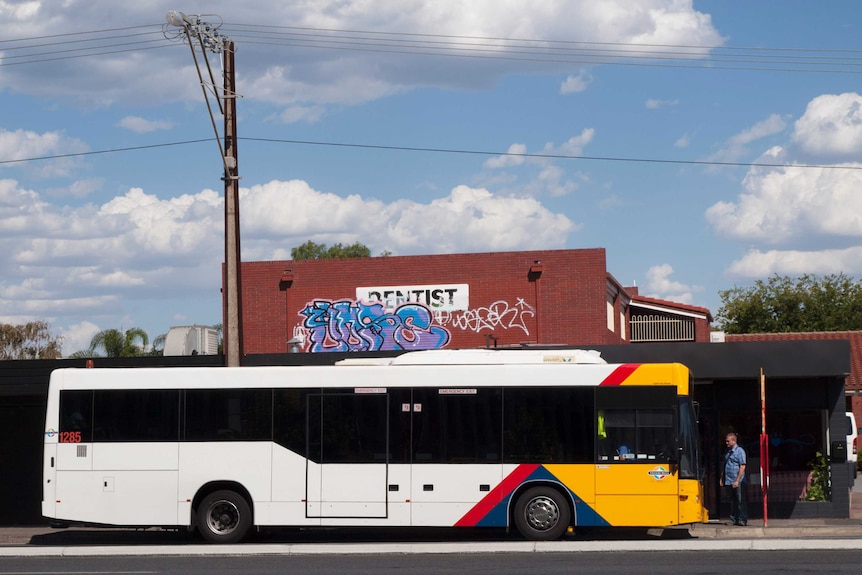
(701, 330)
(565, 304)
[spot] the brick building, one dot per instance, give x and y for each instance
(502, 299)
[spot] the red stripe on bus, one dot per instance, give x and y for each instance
(509, 483)
(619, 375)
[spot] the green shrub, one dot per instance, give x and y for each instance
(819, 485)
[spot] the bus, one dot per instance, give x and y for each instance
(542, 441)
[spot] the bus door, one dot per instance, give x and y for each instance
(637, 480)
(348, 454)
(456, 451)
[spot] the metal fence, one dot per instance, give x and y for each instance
(661, 328)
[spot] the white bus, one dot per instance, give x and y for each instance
(544, 441)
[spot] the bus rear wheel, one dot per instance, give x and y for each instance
(223, 517)
(542, 514)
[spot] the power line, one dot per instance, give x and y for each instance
(555, 156)
(31, 38)
(537, 47)
(108, 151)
(596, 61)
(593, 53)
(41, 60)
(580, 42)
(85, 48)
(449, 151)
(78, 41)
(89, 44)
(781, 59)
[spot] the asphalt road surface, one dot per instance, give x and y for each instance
(630, 563)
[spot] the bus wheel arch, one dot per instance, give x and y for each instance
(222, 512)
(542, 511)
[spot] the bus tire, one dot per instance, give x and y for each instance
(223, 517)
(542, 514)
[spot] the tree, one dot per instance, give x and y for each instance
(31, 340)
(314, 251)
(159, 345)
(783, 304)
(117, 344)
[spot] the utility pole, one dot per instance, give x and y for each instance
(233, 279)
(199, 33)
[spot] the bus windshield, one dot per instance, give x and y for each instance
(689, 441)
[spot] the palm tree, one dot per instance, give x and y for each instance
(159, 345)
(119, 344)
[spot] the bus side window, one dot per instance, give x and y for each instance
(621, 434)
(76, 416)
(635, 423)
(655, 432)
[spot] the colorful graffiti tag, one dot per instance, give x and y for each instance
(350, 325)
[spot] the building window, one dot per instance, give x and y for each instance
(611, 313)
(623, 324)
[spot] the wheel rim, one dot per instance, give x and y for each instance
(542, 513)
(222, 517)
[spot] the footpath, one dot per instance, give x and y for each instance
(790, 528)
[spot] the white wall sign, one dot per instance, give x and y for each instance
(448, 297)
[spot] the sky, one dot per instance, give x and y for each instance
(704, 144)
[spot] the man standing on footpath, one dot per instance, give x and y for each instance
(733, 477)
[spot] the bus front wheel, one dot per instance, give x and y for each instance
(223, 517)
(542, 514)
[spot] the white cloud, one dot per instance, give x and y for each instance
(549, 178)
(63, 262)
(652, 104)
(736, 147)
(77, 337)
(771, 125)
(514, 157)
(545, 177)
(574, 146)
(831, 127)
(27, 144)
(130, 245)
(307, 114)
(468, 219)
(682, 141)
(760, 264)
(19, 11)
(340, 76)
(610, 202)
(800, 219)
(575, 84)
(142, 125)
(659, 285)
(782, 206)
(77, 189)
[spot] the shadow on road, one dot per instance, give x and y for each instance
(114, 536)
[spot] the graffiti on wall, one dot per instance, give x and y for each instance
(500, 315)
(353, 325)
(356, 325)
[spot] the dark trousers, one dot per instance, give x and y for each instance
(738, 505)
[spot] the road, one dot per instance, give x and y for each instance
(632, 563)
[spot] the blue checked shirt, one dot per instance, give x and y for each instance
(733, 459)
